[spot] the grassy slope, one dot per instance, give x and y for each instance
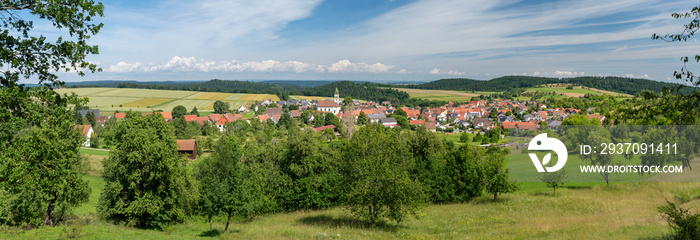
(588, 211)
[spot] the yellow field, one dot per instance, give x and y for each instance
(211, 96)
(258, 97)
(310, 98)
(146, 102)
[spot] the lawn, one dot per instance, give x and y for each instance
(593, 211)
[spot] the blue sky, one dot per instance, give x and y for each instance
(404, 40)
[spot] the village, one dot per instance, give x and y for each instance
(478, 116)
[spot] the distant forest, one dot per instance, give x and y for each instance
(614, 84)
(384, 92)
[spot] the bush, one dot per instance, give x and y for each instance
(684, 224)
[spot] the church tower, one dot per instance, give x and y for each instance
(336, 97)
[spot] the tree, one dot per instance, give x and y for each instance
(221, 107)
(688, 102)
(348, 101)
(362, 119)
(229, 185)
(464, 138)
(496, 173)
(554, 179)
(143, 175)
(35, 124)
(400, 112)
(179, 111)
(194, 111)
(90, 118)
(375, 170)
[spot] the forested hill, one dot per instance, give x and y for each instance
(367, 91)
(615, 84)
(214, 85)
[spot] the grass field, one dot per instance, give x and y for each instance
(443, 95)
(555, 89)
(109, 100)
(578, 211)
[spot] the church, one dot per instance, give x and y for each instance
(330, 106)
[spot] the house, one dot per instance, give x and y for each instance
(320, 129)
(95, 112)
(273, 111)
(86, 132)
(293, 102)
(243, 109)
(188, 148)
(417, 122)
(102, 120)
(374, 117)
(431, 126)
(119, 115)
(388, 122)
(295, 113)
(190, 118)
(328, 106)
(599, 117)
(554, 125)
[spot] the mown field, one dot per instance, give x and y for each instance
(582, 211)
(145, 100)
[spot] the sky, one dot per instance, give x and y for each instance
(403, 40)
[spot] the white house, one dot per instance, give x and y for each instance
(86, 131)
(328, 106)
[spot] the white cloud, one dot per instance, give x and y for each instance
(436, 71)
(191, 64)
(345, 66)
(402, 71)
(536, 73)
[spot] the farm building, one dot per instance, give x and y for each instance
(86, 132)
(187, 147)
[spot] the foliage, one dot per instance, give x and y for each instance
(685, 225)
(228, 185)
(366, 91)
(616, 84)
(313, 176)
(143, 175)
(554, 179)
(194, 111)
(376, 176)
(28, 55)
(496, 174)
(362, 119)
(179, 111)
(221, 107)
(465, 173)
(40, 168)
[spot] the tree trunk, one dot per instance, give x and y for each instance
(495, 195)
(48, 221)
(555, 191)
(227, 221)
(210, 223)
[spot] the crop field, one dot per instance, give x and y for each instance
(443, 95)
(577, 91)
(593, 211)
(146, 100)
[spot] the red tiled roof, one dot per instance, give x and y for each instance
(166, 115)
(120, 115)
(324, 128)
(186, 145)
(509, 125)
(527, 126)
(327, 104)
(85, 129)
(190, 118)
(431, 125)
(417, 122)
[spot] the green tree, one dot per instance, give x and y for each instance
(496, 174)
(400, 112)
(194, 111)
(228, 185)
(143, 175)
(554, 179)
(376, 169)
(685, 102)
(465, 171)
(90, 118)
(464, 138)
(362, 119)
(47, 183)
(348, 101)
(221, 107)
(179, 111)
(319, 120)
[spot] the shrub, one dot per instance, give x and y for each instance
(684, 224)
